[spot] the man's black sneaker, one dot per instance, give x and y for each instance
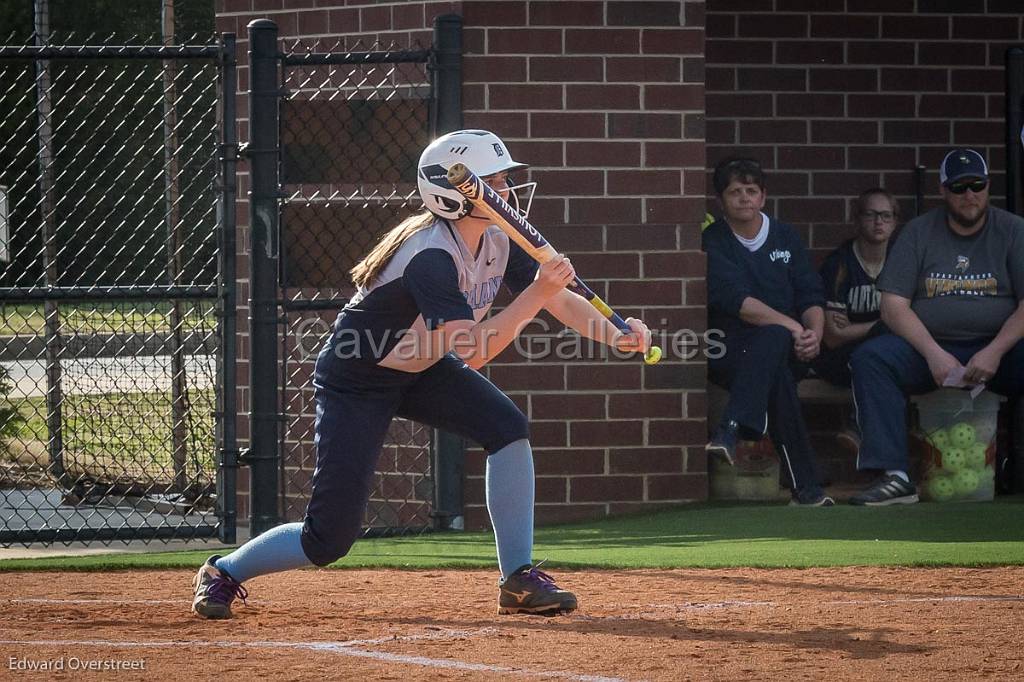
(887, 490)
(723, 443)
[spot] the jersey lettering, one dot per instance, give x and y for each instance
(484, 293)
(945, 284)
(863, 299)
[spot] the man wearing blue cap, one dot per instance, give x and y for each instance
(953, 297)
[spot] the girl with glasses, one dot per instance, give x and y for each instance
(852, 308)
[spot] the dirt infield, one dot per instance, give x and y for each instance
(863, 623)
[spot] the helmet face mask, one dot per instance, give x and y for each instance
(482, 152)
(528, 188)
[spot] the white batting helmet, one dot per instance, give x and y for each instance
(481, 151)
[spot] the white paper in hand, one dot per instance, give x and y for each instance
(955, 379)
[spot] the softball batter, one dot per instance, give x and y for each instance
(409, 343)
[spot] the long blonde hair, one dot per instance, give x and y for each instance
(366, 270)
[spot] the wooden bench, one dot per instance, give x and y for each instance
(812, 391)
(820, 392)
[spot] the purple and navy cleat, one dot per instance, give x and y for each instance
(530, 590)
(214, 590)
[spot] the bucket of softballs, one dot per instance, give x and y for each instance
(958, 434)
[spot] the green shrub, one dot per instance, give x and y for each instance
(10, 418)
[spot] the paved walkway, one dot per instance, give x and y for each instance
(117, 547)
(137, 374)
(42, 508)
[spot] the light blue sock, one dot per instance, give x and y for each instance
(278, 549)
(509, 482)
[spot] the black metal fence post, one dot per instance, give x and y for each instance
(446, 75)
(264, 219)
(446, 115)
(1014, 121)
(51, 311)
(1014, 478)
(227, 469)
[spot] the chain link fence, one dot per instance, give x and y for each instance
(110, 305)
(354, 118)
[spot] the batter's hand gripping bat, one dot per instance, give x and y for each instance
(510, 221)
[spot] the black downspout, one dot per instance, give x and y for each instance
(1014, 121)
(227, 471)
(445, 116)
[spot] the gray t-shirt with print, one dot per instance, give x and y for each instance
(962, 288)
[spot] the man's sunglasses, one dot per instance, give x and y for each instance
(974, 185)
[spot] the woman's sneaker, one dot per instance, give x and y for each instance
(214, 590)
(529, 590)
(812, 498)
(723, 444)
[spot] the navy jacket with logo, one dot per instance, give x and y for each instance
(779, 274)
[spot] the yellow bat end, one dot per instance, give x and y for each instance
(652, 356)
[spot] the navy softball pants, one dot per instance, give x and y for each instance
(888, 369)
(762, 396)
(355, 403)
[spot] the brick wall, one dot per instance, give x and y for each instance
(605, 100)
(835, 96)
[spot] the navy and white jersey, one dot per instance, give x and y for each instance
(433, 278)
(849, 288)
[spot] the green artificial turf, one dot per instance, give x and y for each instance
(701, 536)
(130, 317)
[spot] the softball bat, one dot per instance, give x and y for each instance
(519, 229)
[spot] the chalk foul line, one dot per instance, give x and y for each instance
(708, 606)
(342, 648)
